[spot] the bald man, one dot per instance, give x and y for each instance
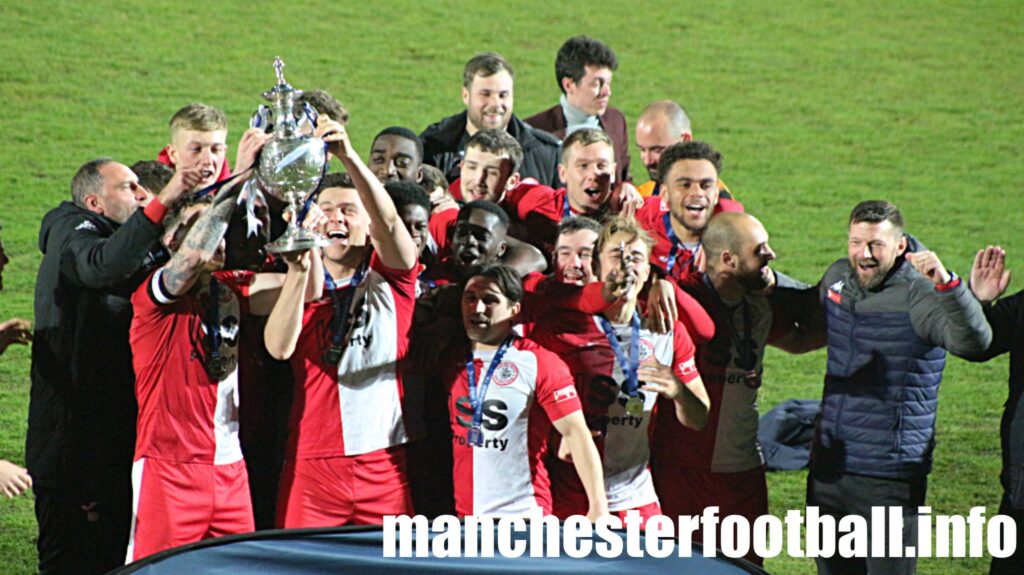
(721, 465)
(661, 124)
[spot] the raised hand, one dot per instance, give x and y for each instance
(249, 147)
(989, 278)
(930, 266)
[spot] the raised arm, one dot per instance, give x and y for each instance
(99, 262)
(390, 238)
(281, 333)
(201, 242)
(945, 312)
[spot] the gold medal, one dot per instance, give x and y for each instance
(635, 405)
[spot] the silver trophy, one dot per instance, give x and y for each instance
(291, 165)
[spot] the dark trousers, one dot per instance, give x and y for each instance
(856, 495)
(83, 535)
(1014, 564)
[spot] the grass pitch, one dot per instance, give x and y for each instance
(815, 106)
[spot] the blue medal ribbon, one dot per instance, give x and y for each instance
(677, 245)
(475, 436)
(631, 365)
(342, 311)
(566, 212)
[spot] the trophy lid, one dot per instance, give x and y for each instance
(282, 87)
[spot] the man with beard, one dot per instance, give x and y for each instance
(583, 69)
(661, 124)
(81, 425)
(890, 318)
(721, 465)
(689, 173)
(396, 155)
(487, 92)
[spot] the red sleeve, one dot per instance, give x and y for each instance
(556, 388)
(533, 200)
(552, 295)
(727, 205)
(514, 196)
(683, 352)
(240, 282)
(455, 189)
(146, 301)
(402, 281)
(155, 211)
(649, 213)
(694, 317)
(440, 226)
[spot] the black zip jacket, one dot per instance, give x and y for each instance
(82, 408)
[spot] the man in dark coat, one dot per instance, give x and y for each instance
(487, 92)
(81, 428)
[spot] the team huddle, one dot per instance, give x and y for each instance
(502, 323)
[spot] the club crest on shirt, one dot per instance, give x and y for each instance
(835, 292)
(506, 373)
(646, 349)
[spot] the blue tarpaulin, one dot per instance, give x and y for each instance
(361, 550)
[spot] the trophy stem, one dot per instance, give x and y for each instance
(295, 238)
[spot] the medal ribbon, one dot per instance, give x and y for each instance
(677, 245)
(212, 322)
(477, 393)
(566, 212)
(632, 365)
(342, 304)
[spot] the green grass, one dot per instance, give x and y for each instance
(815, 105)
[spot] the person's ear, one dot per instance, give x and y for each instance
(465, 97)
(502, 248)
(566, 83)
(902, 248)
(512, 182)
(93, 204)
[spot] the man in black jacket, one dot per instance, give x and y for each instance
(487, 92)
(81, 428)
(989, 280)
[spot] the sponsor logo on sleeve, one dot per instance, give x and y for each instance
(565, 394)
(688, 368)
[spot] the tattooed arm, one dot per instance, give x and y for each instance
(201, 243)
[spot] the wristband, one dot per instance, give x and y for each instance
(954, 281)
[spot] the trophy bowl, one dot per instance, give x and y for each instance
(290, 167)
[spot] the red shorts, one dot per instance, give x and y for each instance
(334, 491)
(568, 497)
(689, 491)
(646, 512)
(178, 503)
